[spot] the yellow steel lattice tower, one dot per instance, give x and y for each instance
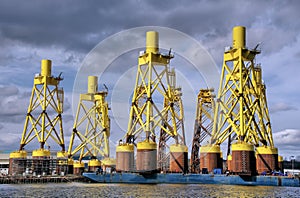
(264, 118)
(156, 113)
(173, 118)
(241, 114)
(91, 131)
(203, 125)
(237, 105)
(43, 120)
(152, 86)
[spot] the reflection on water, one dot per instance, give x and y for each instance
(136, 190)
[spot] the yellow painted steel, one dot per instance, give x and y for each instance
(41, 153)
(92, 84)
(44, 120)
(92, 124)
(108, 161)
(78, 164)
(155, 81)
(125, 148)
(241, 113)
(210, 149)
(155, 78)
(18, 154)
(264, 117)
(146, 145)
(239, 37)
(62, 154)
(266, 150)
(280, 158)
(152, 42)
(70, 162)
(46, 68)
(94, 162)
(178, 148)
(242, 146)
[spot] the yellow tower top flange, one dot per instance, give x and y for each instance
(178, 148)
(18, 154)
(242, 146)
(78, 164)
(41, 153)
(146, 145)
(210, 149)
(266, 150)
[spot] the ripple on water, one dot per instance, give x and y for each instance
(138, 190)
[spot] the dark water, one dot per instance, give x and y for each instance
(135, 190)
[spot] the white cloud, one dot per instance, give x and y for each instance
(287, 142)
(281, 106)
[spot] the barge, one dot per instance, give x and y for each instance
(177, 178)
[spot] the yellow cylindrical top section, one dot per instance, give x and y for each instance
(61, 154)
(280, 158)
(242, 146)
(178, 148)
(266, 150)
(108, 161)
(210, 149)
(46, 68)
(18, 154)
(94, 162)
(238, 37)
(146, 145)
(229, 157)
(125, 148)
(152, 42)
(41, 153)
(78, 164)
(92, 84)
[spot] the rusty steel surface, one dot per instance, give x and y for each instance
(178, 162)
(17, 166)
(146, 160)
(267, 163)
(124, 161)
(243, 162)
(210, 161)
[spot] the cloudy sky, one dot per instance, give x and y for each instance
(67, 31)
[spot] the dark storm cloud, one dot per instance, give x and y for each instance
(80, 25)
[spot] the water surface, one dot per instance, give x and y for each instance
(138, 190)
